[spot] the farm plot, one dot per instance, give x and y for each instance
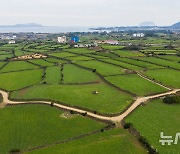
(41, 62)
(163, 62)
(108, 101)
(113, 141)
(5, 57)
(167, 76)
(122, 64)
(112, 47)
(79, 58)
(160, 51)
(2, 64)
(53, 75)
(156, 117)
(18, 66)
(135, 84)
(54, 60)
(17, 80)
(29, 126)
(102, 68)
(172, 58)
(140, 63)
(74, 74)
(62, 54)
(80, 50)
(123, 53)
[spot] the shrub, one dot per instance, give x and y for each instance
(172, 100)
(15, 151)
(94, 70)
(127, 125)
(84, 114)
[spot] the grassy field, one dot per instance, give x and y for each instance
(17, 66)
(74, 74)
(135, 84)
(140, 63)
(62, 54)
(167, 76)
(123, 53)
(29, 126)
(112, 47)
(53, 75)
(123, 64)
(41, 62)
(162, 62)
(172, 58)
(102, 68)
(80, 50)
(156, 117)
(79, 58)
(4, 57)
(109, 100)
(17, 80)
(113, 141)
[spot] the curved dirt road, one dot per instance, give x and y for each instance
(115, 119)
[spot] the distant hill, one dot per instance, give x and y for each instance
(147, 24)
(176, 26)
(23, 25)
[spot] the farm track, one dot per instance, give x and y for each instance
(155, 82)
(114, 119)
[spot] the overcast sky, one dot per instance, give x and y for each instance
(89, 12)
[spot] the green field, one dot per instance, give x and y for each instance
(140, 63)
(18, 80)
(30, 126)
(74, 74)
(17, 66)
(80, 50)
(162, 62)
(102, 68)
(135, 84)
(109, 100)
(167, 76)
(113, 141)
(53, 75)
(156, 117)
(123, 53)
(40, 62)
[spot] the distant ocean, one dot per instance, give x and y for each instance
(44, 29)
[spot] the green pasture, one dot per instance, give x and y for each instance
(135, 84)
(29, 126)
(167, 76)
(17, 80)
(108, 101)
(156, 117)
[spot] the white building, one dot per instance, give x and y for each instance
(138, 35)
(12, 42)
(112, 42)
(62, 39)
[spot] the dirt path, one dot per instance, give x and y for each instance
(142, 76)
(115, 119)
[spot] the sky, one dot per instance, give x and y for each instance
(89, 12)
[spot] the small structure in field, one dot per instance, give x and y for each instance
(95, 92)
(12, 42)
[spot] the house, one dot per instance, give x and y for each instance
(138, 35)
(112, 42)
(12, 42)
(62, 39)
